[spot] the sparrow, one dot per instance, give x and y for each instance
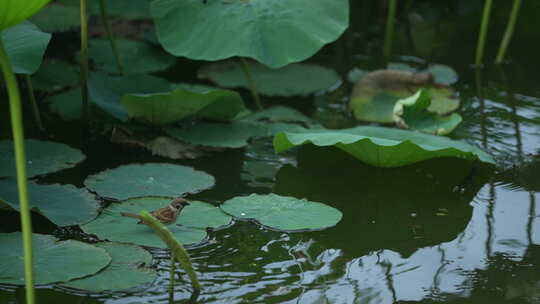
(166, 215)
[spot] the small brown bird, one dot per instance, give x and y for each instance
(166, 215)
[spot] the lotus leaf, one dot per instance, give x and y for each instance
(283, 212)
(58, 18)
(64, 205)
(411, 113)
(258, 28)
(67, 104)
(15, 11)
(25, 45)
(137, 180)
(54, 260)
(190, 227)
(42, 157)
(132, 9)
(54, 75)
(443, 74)
(279, 114)
(130, 267)
(294, 79)
(168, 107)
(139, 57)
(106, 91)
(383, 147)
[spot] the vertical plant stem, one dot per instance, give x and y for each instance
(84, 63)
(20, 159)
(33, 103)
(509, 32)
(110, 34)
(483, 31)
(252, 85)
(389, 30)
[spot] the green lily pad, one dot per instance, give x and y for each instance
(67, 104)
(106, 91)
(15, 11)
(283, 212)
(54, 260)
(168, 107)
(294, 79)
(56, 17)
(443, 74)
(129, 268)
(41, 157)
(383, 147)
(64, 205)
(138, 57)
(54, 75)
(411, 113)
(25, 45)
(132, 9)
(258, 28)
(138, 180)
(279, 114)
(190, 227)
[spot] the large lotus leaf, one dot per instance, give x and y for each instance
(411, 113)
(25, 45)
(190, 227)
(15, 11)
(54, 75)
(294, 79)
(137, 180)
(279, 114)
(138, 57)
(106, 91)
(130, 267)
(41, 157)
(64, 205)
(54, 260)
(257, 28)
(168, 107)
(283, 212)
(58, 18)
(383, 147)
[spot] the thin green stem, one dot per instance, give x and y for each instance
(252, 85)
(389, 30)
(509, 31)
(110, 34)
(20, 159)
(33, 103)
(84, 62)
(483, 32)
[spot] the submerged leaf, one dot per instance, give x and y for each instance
(190, 227)
(54, 260)
(283, 212)
(138, 180)
(383, 147)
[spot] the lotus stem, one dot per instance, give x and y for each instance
(483, 32)
(389, 30)
(20, 164)
(110, 35)
(252, 85)
(33, 103)
(177, 250)
(509, 31)
(84, 63)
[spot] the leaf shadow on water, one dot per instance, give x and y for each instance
(401, 209)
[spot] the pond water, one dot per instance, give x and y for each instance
(440, 231)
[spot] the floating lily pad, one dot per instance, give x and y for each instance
(137, 180)
(25, 45)
(258, 29)
(279, 114)
(41, 157)
(67, 104)
(64, 205)
(294, 79)
(106, 91)
(15, 11)
(168, 107)
(138, 57)
(54, 260)
(443, 74)
(54, 75)
(411, 113)
(130, 267)
(283, 212)
(190, 227)
(58, 18)
(383, 147)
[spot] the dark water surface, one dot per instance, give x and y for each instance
(443, 230)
